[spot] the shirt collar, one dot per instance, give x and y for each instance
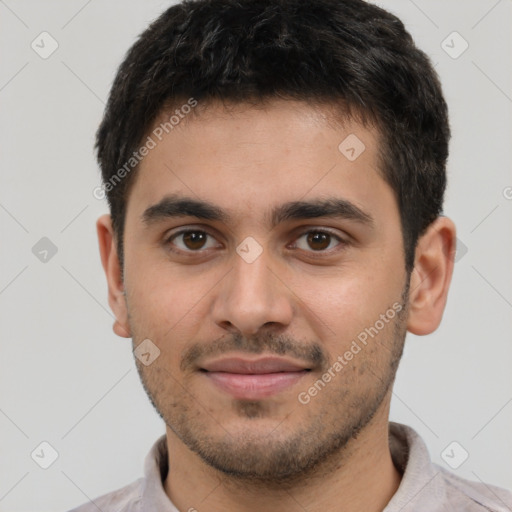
(408, 451)
(420, 478)
(156, 467)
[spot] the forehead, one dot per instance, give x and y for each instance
(248, 158)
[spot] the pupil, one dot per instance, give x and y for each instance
(194, 240)
(315, 238)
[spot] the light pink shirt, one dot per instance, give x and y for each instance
(425, 487)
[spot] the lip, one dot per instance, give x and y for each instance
(253, 379)
(262, 365)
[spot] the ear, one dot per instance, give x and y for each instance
(431, 276)
(110, 262)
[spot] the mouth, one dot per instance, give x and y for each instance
(253, 379)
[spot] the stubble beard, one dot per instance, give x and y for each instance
(279, 457)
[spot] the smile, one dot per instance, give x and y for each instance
(247, 379)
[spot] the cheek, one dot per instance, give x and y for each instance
(349, 300)
(345, 313)
(159, 289)
(167, 305)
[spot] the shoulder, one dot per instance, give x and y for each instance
(474, 496)
(125, 499)
(427, 486)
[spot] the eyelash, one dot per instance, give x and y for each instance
(342, 243)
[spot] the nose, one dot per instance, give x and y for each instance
(252, 297)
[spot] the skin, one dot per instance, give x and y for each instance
(297, 296)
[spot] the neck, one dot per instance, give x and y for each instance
(361, 478)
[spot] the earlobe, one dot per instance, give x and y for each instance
(112, 268)
(431, 276)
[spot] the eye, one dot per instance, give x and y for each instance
(197, 241)
(318, 241)
(191, 240)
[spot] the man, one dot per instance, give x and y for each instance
(275, 172)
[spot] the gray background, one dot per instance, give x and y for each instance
(65, 378)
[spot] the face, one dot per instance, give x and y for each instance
(274, 293)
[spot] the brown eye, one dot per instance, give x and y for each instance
(318, 241)
(191, 241)
(194, 239)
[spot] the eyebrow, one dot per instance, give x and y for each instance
(332, 207)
